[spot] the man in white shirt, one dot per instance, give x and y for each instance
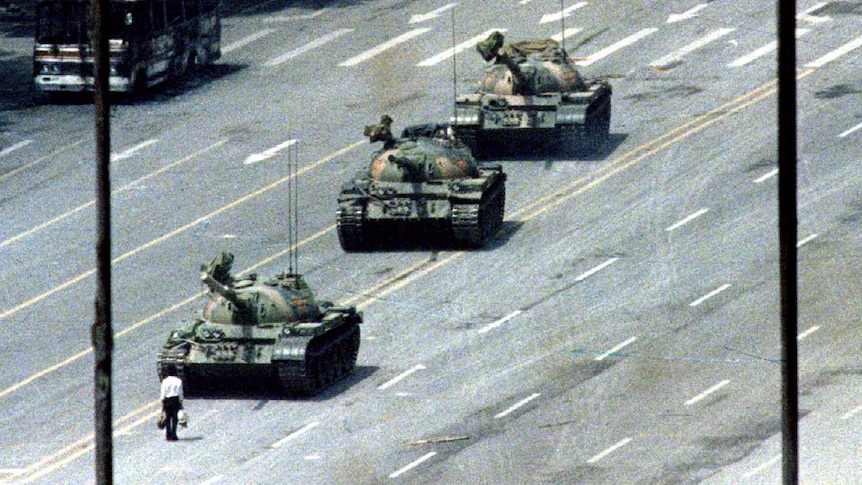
(172, 401)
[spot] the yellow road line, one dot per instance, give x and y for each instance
(120, 190)
(40, 160)
(179, 230)
(529, 212)
(84, 446)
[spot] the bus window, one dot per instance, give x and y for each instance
(62, 22)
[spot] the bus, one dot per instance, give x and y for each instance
(151, 41)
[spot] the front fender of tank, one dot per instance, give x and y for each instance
(291, 347)
(575, 106)
(406, 209)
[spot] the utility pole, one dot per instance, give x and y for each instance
(787, 158)
(102, 333)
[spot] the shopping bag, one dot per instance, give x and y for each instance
(162, 421)
(182, 418)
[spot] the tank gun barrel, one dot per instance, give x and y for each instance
(519, 78)
(411, 168)
(221, 289)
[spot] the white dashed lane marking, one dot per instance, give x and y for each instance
(384, 47)
(676, 56)
(458, 48)
(320, 41)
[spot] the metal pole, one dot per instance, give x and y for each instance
(563, 24)
(102, 334)
(787, 220)
(454, 76)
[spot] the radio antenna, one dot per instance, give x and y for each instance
(563, 24)
(292, 208)
(293, 196)
(454, 75)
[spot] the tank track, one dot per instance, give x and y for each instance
(473, 224)
(328, 358)
(351, 233)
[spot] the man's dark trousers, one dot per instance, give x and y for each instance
(171, 406)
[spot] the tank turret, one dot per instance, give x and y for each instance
(427, 180)
(527, 67)
(532, 89)
(270, 328)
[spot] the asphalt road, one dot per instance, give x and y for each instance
(623, 327)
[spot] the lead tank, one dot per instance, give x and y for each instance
(427, 182)
(263, 328)
(532, 92)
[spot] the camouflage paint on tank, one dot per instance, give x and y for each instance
(271, 328)
(531, 67)
(428, 181)
(533, 88)
(425, 159)
(283, 302)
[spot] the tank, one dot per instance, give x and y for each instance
(532, 92)
(426, 182)
(271, 329)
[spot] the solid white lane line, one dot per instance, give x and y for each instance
(458, 48)
(762, 466)
(707, 392)
(296, 433)
(412, 465)
(15, 146)
(566, 34)
(686, 220)
(844, 49)
(401, 376)
(595, 270)
(807, 332)
(851, 413)
(677, 55)
(384, 47)
(616, 349)
(553, 17)
(245, 41)
(499, 322)
(517, 405)
(806, 240)
(307, 47)
(259, 157)
(709, 295)
(615, 47)
(842, 135)
(610, 450)
(758, 53)
(131, 151)
(767, 176)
